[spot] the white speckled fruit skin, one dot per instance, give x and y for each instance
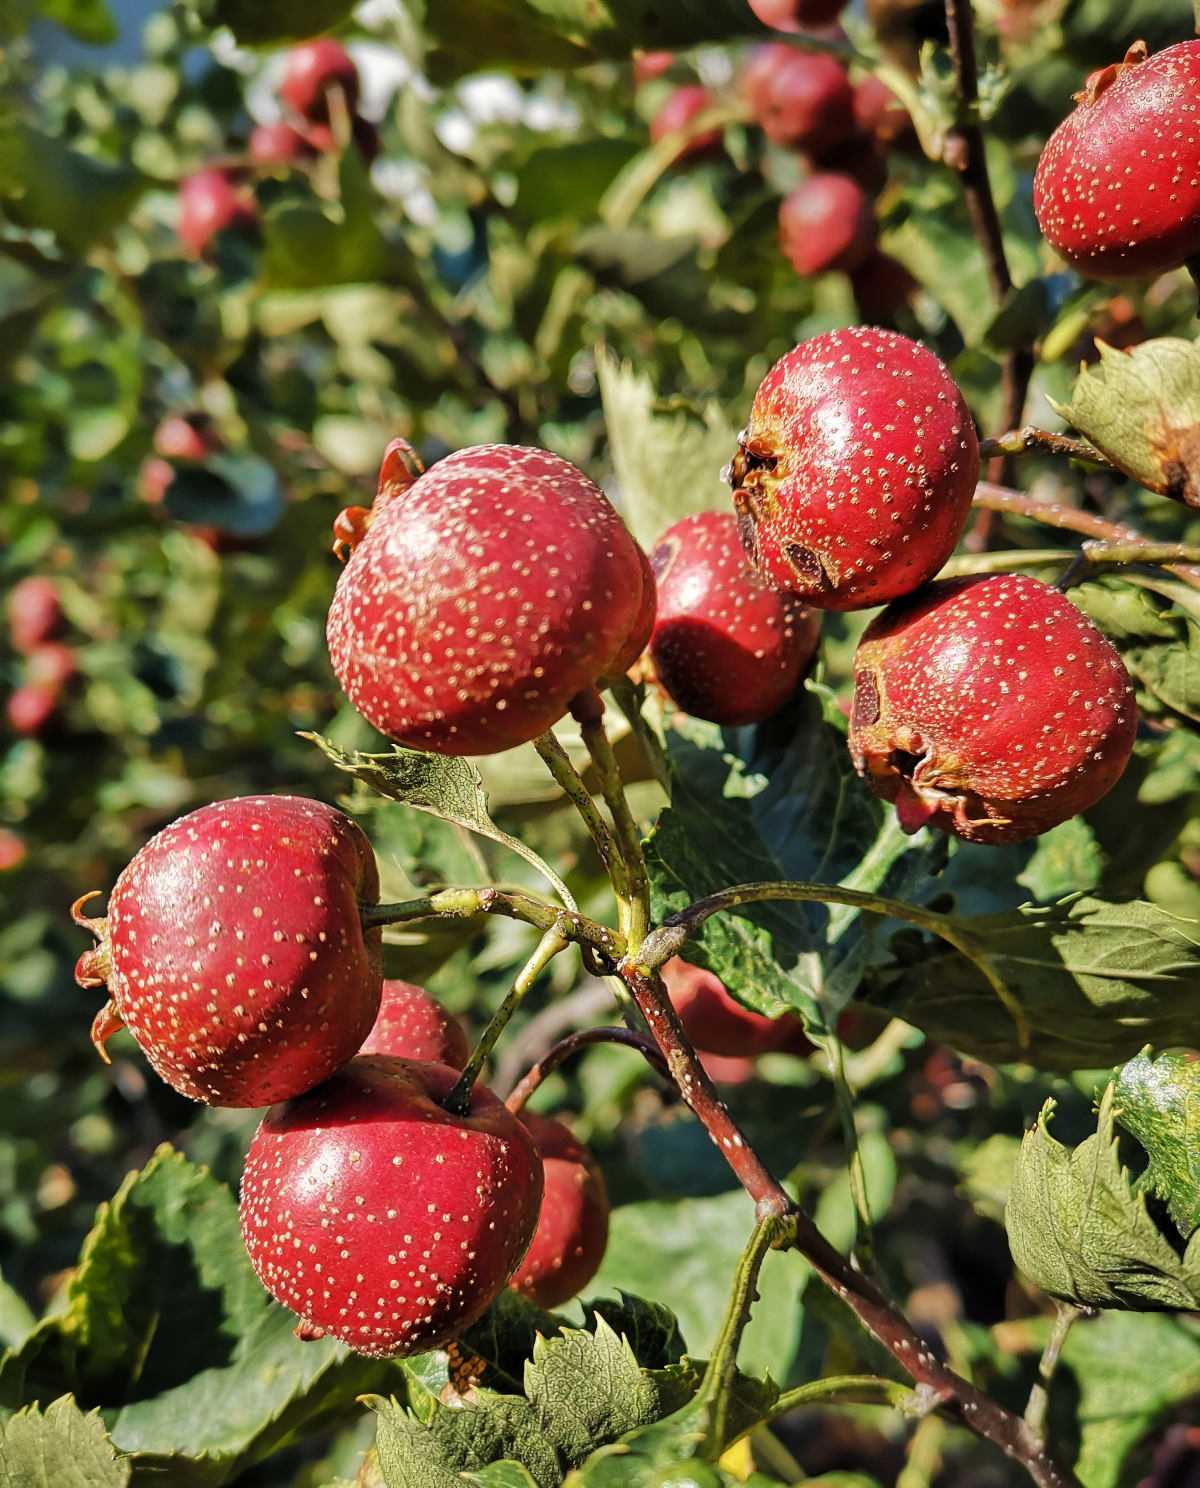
(381, 1219)
(413, 1025)
(480, 603)
(1014, 712)
(572, 1229)
(1117, 189)
(239, 961)
(855, 476)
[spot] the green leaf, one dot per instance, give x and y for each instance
(1141, 408)
(62, 1448)
(49, 185)
(1096, 982)
(269, 22)
(502, 1475)
(987, 1172)
(16, 1320)
(308, 245)
(87, 20)
(445, 786)
(1158, 1102)
(1080, 1231)
(568, 180)
(465, 1438)
(1155, 624)
(667, 464)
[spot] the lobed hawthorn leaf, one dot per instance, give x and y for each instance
(1079, 1229)
(1154, 621)
(1158, 1102)
(60, 1447)
(1141, 408)
(1096, 982)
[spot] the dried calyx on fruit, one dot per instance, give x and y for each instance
(379, 1217)
(411, 1024)
(990, 708)
(725, 645)
(572, 1229)
(234, 949)
(854, 477)
(1117, 189)
(400, 468)
(476, 607)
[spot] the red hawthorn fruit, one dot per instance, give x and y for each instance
(34, 612)
(154, 480)
(311, 72)
(572, 1229)
(801, 99)
(684, 105)
(186, 436)
(643, 626)
(882, 286)
(990, 708)
(51, 666)
(475, 608)
(725, 645)
(729, 1069)
(650, 65)
(796, 15)
(235, 953)
(280, 144)
(1117, 188)
(413, 1025)
(855, 476)
(379, 1217)
(718, 1024)
(880, 114)
(12, 850)
(827, 222)
(211, 202)
(31, 709)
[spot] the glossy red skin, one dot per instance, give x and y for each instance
(827, 222)
(186, 436)
(879, 113)
(51, 665)
(678, 112)
(871, 461)
(34, 612)
(31, 709)
(725, 645)
(796, 15)
(572, 1229)
(650, 65)
(13, 851)
(1117, 188)
(475, 608)
(412, 1025)
(643, 625)
(381, 1219)
(1011, 710)
(238, 958)
(802, 99)
(211, 203)
(311, 71)
(715, 1022)
(280, 144)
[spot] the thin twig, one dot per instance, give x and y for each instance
(1030, 438)
(569, 780)
(467, 903)
(583, 1038)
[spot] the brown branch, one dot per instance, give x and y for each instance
(571, 1045)
(1022, 441)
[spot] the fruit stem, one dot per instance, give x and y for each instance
(675, 931)
(459, 1099)
(466, 903)
(1023, 441)
(1065, 1315)
(1092, 555)
(634, 903)
(571, 783)
(583, 1038)
(850, 1389)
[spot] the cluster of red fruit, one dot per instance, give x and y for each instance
(48, 665)
(220, 198)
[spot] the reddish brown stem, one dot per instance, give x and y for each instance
(565, 1048)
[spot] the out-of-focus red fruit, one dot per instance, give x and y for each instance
(1117, 188)
(643, 626)
(13, 851)
(31, 709)
(801, 99)
(412, 1025)
(879, 113)
(186, 436)
(34, 612)
(280, 144)
(311, 73)
(572, 1229)
(51, 665)
(725, 645)
(990, 708)
(882, 286)
(826, 222)
(797, 15)
(363, 134)
(729, 1069)
(854, 477)
(714, 1021)
(650, 65)
(212, 202)
(684, 105)
(154, 480)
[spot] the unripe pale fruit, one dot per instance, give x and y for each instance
(572, 1229)
(211, 202)
(379, 1217)
(990, 708)
(234, 949)
(34, 612)
(715, 1022)
(855, 475)
(725, 645)
(802, 99)
(312, 71)
(412, 1025)
(1117, 188)
(827, 222)
(280, 144)
(497, 587)
(796, 15)
(684, 105)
